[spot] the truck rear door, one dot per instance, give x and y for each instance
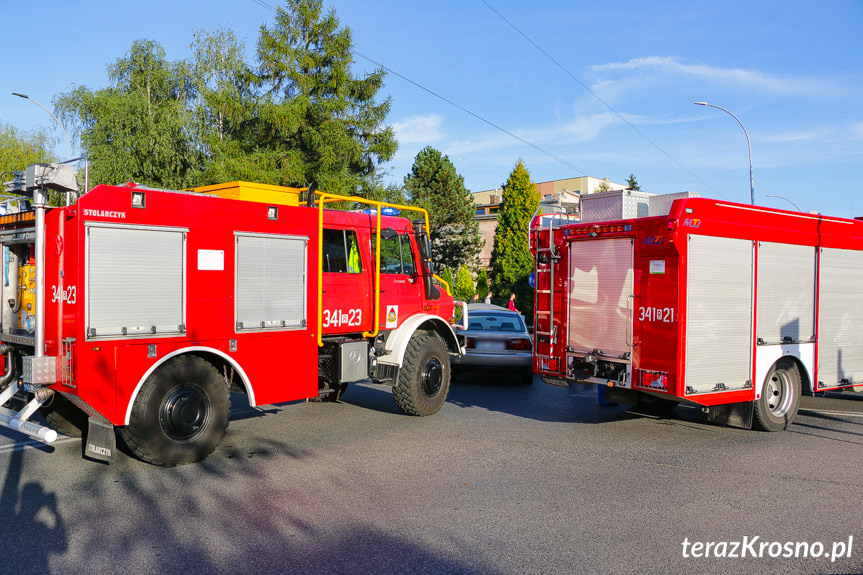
(600, 297)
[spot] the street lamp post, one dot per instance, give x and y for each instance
(68, 147)
(748, 144)
(786, 199)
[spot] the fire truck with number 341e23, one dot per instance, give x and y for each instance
(142, 309)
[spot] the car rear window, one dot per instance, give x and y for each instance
(485, 321)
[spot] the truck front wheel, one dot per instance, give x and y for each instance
(424, 377)
(780, 397)
(180, 415)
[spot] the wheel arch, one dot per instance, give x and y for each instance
(398, 339)
(767, 356)
(218, 359)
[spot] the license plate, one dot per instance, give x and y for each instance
(491, 345)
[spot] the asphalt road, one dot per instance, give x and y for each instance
(505, 479)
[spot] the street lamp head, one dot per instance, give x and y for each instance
(25, 96)
(701, 103)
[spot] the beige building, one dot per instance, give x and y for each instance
(566, 193)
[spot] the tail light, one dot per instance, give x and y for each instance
(522, 344)
(470, 342)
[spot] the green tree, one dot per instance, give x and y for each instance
(482, 284)
(434, 184)
(464, 288)
(317, 120)
(446, 275)
(603, 186)
(19, 149)
(139, 127)
(511, 261)
(223, 108)
(632, 183)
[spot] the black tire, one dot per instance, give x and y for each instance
(780, 397)
(424, 377)
(180, 415)
(65, 417)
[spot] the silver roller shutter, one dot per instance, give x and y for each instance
(718, 314)
(600, 281)
(271, 281)
(840, 346)
(786, 293)
(135, 280)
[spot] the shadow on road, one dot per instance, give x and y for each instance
(229, 514)
(31, 527)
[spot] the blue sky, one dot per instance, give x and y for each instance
(792, 71)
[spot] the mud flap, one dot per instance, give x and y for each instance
(101, 441)
(732, 414)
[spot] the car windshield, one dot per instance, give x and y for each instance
(490, 321)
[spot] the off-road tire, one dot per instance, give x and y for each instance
(180, 415)
(424, 377)
(780, 397)
(65, 417)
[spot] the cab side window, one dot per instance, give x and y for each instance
(396, 255)
(341, 252)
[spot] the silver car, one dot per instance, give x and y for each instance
(496, 339)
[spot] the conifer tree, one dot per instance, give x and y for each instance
(446, 275)
(464, 288)
(511, 262)
(482, 284)
(435, 185)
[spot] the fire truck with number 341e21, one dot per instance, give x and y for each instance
(142, 309)
(673, 298)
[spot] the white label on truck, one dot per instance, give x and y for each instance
(657, 266)
(392, 316)
(211, 260)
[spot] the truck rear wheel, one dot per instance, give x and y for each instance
(180, 415)
(424, 377)
(780, 397)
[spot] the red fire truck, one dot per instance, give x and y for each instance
(736, 308)
(142, 308)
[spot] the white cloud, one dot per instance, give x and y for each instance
(735, 76)
(418, 129)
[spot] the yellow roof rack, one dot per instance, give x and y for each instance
(252, 192)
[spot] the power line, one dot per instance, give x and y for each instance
(477, 116)
(592, 93)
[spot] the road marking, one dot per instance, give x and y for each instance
(19, 445)
(828, 412)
